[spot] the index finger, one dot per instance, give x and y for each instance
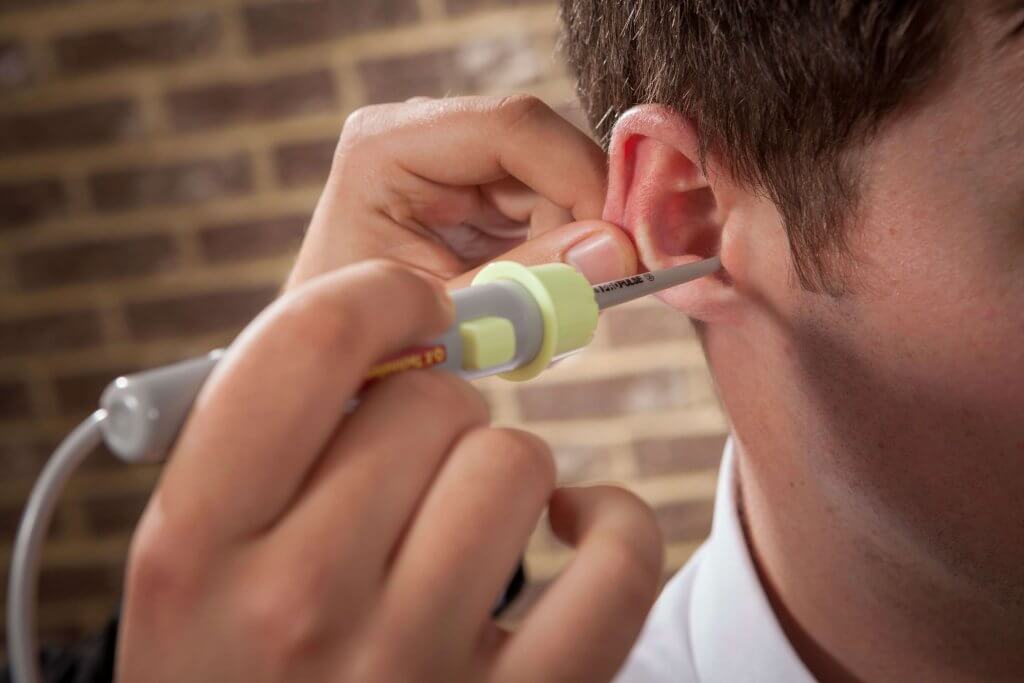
(276, 398)
(475, 140)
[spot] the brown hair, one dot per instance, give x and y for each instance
(780, 91)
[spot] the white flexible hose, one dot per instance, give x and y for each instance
(21, 590)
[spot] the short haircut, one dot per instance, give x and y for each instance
(782, 92)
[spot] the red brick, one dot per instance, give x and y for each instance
(50, 332)
(28, 201)
(503, 64)
(102, 460)
(223, 103)
(162, 42)
(78, 125)
(628, 326)
(94, 261)
(684, 521)
(276, 25)
(252, 239)
(11, 514)
(463, 6)
(10, 518)
(79, 393)
(582, 463)
(393, 79)
(15, 66)
(116, 514)
(23, 457)
(304, 163)
(209, 312)
(655, 457)
(187, 182)
(659, 390)
(475, 66)
(61, 584)
(14, 400)
(14, 5)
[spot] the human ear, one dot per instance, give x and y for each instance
(658, 192)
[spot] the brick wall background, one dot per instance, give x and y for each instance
(158, 163)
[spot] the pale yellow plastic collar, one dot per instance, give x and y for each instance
(567, 306)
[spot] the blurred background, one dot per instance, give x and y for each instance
(158, 164)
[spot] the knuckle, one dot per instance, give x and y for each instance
(376, 122)
(320, 318)
(363, 122)
(400, 281)
(280, 613)
(361, 134)
(375, 662)
(637, 532)
(158, 573)
(515, 109)
(631, 572)
(316, 325)
(387, 269)
(523, 459)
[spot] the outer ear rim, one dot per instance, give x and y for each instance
(655, 121)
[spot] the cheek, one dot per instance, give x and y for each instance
(917, 404)
(945, 307)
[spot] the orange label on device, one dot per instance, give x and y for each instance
(411, 359)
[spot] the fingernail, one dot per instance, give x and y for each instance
(598, 258)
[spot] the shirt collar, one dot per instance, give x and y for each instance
(735, 635)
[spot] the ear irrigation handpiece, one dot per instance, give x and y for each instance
(513, 321)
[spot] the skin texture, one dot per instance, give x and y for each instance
(290, 541)
(880, 433)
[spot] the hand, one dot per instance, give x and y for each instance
(446, 185)
(288, 541)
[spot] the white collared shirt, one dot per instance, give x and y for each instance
(712, 622)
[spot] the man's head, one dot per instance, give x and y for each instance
(780, 91)
(876, 151)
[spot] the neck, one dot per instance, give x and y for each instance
(856, 609)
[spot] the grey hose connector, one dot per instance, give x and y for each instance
(145, 411)
(28, 548)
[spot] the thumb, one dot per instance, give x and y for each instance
(601, 251)
(599, 602)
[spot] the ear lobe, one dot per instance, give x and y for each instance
(658, 193)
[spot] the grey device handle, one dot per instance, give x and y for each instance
(146, 410)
